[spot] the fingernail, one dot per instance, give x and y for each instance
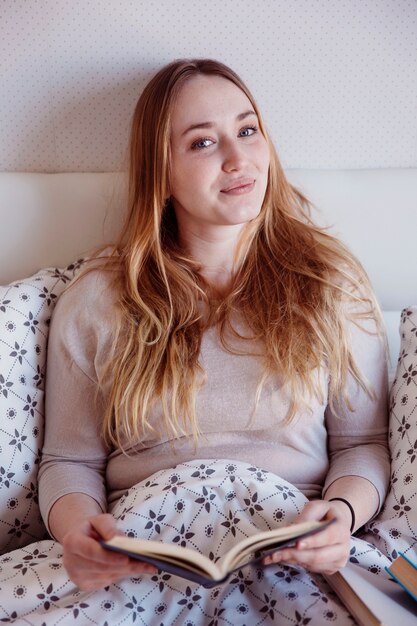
(302, 545)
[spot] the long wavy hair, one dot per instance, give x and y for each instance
(291, 287)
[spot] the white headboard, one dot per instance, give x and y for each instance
(52, 219)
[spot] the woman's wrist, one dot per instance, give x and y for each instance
(360, 493)
(69, 510)
(347, 508)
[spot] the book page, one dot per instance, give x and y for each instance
(238, 555)
(183, 557)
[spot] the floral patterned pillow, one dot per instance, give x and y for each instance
(25, 312)
(395, 528)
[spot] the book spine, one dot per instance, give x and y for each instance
(400, 583)
(408, 560)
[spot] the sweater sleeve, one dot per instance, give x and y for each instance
(358, 438)
(74, 457)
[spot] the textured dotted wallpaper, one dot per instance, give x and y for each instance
(336, 79)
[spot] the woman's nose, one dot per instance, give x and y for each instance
(233, 157)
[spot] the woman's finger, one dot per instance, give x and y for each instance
(83, 546)
(88, 564)
(336, 534)
(124, 564)
(315, 560)
(87, 574)
(314, 511)
(104, 525)
(328, 554)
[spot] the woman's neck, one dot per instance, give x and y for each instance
(215, 251)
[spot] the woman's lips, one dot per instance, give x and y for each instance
(239, 187)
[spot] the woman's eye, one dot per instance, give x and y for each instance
(248, 131)
(201, 143)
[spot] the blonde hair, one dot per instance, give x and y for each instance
(291, 286)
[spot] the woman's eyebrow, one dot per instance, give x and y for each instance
(239, 118)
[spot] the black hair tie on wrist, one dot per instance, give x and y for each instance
(352, 512)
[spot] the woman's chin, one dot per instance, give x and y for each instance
(240, 214)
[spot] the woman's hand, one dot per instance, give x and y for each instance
(326, 551)
(89, 565)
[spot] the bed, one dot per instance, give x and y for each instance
(50, 222)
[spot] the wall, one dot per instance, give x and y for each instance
(336, 79)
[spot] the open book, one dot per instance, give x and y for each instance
(199, 568)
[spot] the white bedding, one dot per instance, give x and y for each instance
(206, 505)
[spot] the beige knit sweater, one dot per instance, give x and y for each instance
(311, 452)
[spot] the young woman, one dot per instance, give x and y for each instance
(222, 325)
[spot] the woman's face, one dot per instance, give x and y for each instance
(220, 159)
